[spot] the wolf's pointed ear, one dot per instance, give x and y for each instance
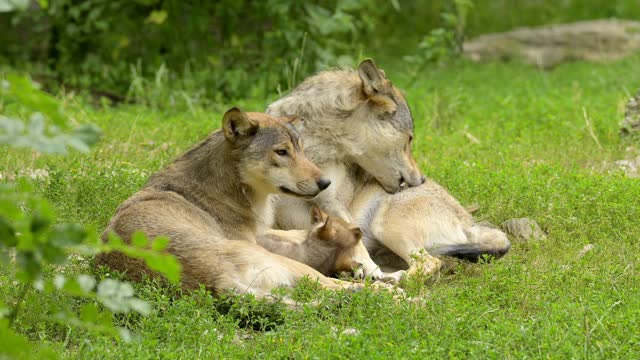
(373, 80)
(296, 121)
(318, 216)
(236, 124)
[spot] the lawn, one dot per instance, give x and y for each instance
(515, 140)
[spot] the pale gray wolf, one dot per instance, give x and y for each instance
(351, 120)
(326, 247)
(214, 200)
(358, 129)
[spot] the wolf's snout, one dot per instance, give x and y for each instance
(412, 179)
(323, 183)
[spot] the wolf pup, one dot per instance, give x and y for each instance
(214, 200)
(326, 247)
(358, 129)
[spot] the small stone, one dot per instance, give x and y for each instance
(351, 332)
(585, 250)
(631, 122)
(523, 228)
(630, 167)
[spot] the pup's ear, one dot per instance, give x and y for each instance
(357, 233)
(373, 80)
(236, 124)
(329, 228)
(318, 216)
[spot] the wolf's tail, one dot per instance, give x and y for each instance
(482, 240)
(471, 251)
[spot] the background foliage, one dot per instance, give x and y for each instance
(229, 49)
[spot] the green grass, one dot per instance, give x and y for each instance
(535, 158)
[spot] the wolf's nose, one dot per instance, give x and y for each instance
(323, 183)
(422, 179)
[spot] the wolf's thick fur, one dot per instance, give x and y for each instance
(214, 200)
(358, 130)
(326, 247)
(410, 227)
(353, 119)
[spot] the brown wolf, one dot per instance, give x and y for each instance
(213, 201)
(326, 247)
(358, 129)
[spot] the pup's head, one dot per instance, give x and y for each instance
(384, 129)
(337, 234)
(270, 154)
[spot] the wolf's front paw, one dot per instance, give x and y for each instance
(372, 272)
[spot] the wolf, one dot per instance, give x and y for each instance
(358, 129)
(352, 120)
(326, 247)
(412, 228)
(214, 200)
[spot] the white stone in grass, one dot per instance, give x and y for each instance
(585, 250)
(523, 228)
(351, 332)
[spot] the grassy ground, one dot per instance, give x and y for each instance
(534, 157)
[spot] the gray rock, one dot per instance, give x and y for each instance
(631, 167)
(631, 122)
(523, 228)
(548, 46)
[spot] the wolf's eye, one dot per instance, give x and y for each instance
(282, 152)
(410, 138)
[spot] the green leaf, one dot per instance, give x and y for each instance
(7, 233)
(53, 254)
(67, 235)
(139, 240)
(14, 346)
(118, 297)
(77, 144)
(13, 5)
(86, 282)
(160, 243)
(114, 240)
(89, 134)
(24, 91)
(39, 223)
(167, 265)
(157, 17)
(89, 313)
(29, 267)
(140, 306)
(125, 334)
(59, 281)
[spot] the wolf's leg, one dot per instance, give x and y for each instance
(408, 245)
